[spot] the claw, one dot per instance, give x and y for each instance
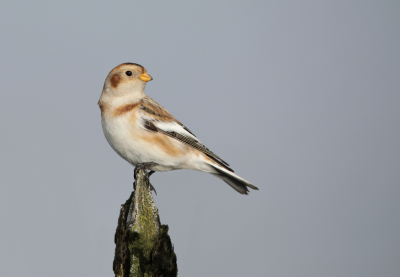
(152, 188)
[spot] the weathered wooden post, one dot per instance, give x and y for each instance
(143, 246)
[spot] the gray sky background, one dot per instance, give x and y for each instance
(302, 98)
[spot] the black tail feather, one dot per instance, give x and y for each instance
(239, 184)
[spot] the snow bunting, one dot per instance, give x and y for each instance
(146, 135)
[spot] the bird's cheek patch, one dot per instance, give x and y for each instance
(115, 80)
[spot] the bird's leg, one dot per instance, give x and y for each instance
(148, 174)
(144, 166)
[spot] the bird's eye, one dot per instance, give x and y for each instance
(128, 73)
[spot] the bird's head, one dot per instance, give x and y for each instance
(126, 79)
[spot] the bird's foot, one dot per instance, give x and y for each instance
(144, 166)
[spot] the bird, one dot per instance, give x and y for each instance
(147, 136)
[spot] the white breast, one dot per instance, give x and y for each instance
(118, 134)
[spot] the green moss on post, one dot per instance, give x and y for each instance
(143, 246)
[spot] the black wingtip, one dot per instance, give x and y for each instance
(221, 163)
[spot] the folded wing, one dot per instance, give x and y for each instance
(155, 118)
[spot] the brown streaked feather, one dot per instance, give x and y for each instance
(150, 126)
(184, 127)
(152, 107)
(159, 113)
(197, 145)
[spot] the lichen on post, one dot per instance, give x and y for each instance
(143, 246)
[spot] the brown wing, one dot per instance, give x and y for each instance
(150, 106)
(158, 113)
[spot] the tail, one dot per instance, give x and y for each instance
(239, 184)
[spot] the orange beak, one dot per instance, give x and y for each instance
(145, 77)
